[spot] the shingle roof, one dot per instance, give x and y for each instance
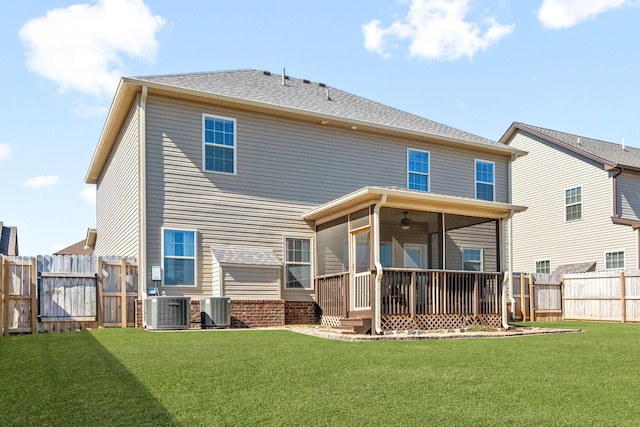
(608, 153)
(77, 248)
(304, 95)
(246, 257)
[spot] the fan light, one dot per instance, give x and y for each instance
(405, 222)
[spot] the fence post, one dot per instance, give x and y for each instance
(100, 296)
(6, 272)
(623, 298)
(34, 294)
(523, 307)
(532, 307)
(123, 292)
(1, 296)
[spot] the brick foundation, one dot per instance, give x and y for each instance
(301, 313)
(256, 313)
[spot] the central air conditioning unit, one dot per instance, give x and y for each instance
(168, 312)
(214, 312)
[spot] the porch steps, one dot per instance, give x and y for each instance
(354, 326)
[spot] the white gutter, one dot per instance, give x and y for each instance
(377, 263)
(142, 197)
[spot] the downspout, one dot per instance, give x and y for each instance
(508, 277)
(614, 184)
(142, 197)
(377, 263)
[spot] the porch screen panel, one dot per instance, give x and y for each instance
(332, 247)
(470, 232)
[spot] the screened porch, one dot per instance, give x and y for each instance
(412, 262)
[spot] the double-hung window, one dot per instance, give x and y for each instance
(543, 266)
(472, 259)
(179, 256)
(417, 170)
(298, 263)
(614, 260)
(485, 180)
(573, 203)
(219, 144)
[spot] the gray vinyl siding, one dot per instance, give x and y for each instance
(541, 233)
(117, 195)
(284, 167)
(251, 283)
(629, 195)
(478, 236)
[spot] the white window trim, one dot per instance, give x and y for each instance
(311, 263)
(195, 256)
(424, 255)
(428, 175)
(564, 196)
(475, 179)
(624, 259)
(235, 144)
(535, 264)
(481, 257)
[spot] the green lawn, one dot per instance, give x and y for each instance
(251, 377)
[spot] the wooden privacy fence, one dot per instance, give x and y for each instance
(66, 292)
(546, 303)
(606, 296)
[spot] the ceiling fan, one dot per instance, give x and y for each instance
(405, 222)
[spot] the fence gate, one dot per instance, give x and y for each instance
(66, 292)
(546, 303)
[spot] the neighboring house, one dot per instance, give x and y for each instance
(8, 240)
(290, 194)
(78, 248)
(583, 199)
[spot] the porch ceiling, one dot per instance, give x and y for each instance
(410, 200)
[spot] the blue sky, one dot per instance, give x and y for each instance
(476, 65)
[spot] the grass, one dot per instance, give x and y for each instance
(132, 377)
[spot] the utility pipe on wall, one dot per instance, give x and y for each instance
(142, 198)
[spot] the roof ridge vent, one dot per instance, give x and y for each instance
(266, 73)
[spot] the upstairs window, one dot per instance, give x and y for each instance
(417, 170)
(543, 266)
(472, 259)
(614, 260)
(573, 204)
(298, 263)
(179, 253)
(485, 180)
(219, 144)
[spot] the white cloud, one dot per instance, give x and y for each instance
(556, 14)
(41, 181)
(5, 150)
(81, 47)
(89, 194)
(436, 29)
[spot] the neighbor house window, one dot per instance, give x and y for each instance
(485, 180)
(418, 170)
(179, 253)
(543, 266)
(219, 144)
(298, 263)
(614, 260)
(472, 259)
(573, 203)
